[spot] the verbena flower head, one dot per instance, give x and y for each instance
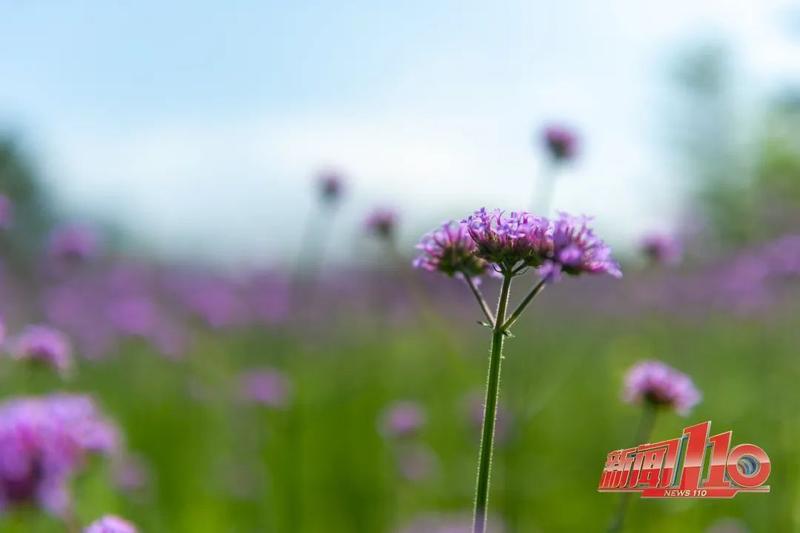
(6, 212)
(43, 345)
(577, 250)
(73, 243)
(561, 142)
(662, 249)
(382, 223)
(402, 419)
(509, 240)
(330, 185)
(110, 524)
(450, 250)
(44, 441)
(266, 387)
(661, 385)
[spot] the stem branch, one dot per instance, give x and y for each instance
(521, 307)
(481, 300)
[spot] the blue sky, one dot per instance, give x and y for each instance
(196, 126)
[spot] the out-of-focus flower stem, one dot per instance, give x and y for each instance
(490, 409)
(646, 424)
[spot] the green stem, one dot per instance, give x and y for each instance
(481, 301)
(490, 411)
(521, 307)
(643, 432)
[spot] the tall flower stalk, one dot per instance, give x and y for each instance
(655, 386)
(509, 245)
(561, 146)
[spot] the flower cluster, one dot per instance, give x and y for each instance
(661, 249)
(110, 524)
(330, 185)
(561, 142)
(264, 387)
(511, 242)
(450, 250)
(43, 345)
(43, 442)
(402, 419)
(73, 243)
(661, 385)
(382, 223)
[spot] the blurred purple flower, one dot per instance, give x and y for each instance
(134, 315)
(43, 345)
(402, 419)
(266, 387)
(662, 249)
(43, 443)
(577, 250)
(417, 463)
(382, 223)
(6, 212)
(73, 243)
(450, 250)
(331, 184)
(110, 524)
(131, 473)
(661, 385)
(561, 142)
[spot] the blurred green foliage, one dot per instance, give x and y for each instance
(321, 465)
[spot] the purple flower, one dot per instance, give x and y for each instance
(402, 419)
(662, 249)
(44, 441)
(450, 250)
(561, 142)
(330, 185)
(6, 212)
(509, 240)
(266, 387)
(43, 345)
(73, 243)
(661, 385)
(382, 223)
(417, 463)
(577, 250)
(110, 524)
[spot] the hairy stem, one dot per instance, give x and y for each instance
(481, 300)
(490, 411)
(643, 432)
(521, 307)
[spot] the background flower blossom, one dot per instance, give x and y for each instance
(266, 387)
(73, 242)
(450, 250)
(382, 223)
(402, 419)
(661, 385)
(43, 443)
(110, 524)
(330, 185)
(662, 249)
(561, 142)
(43, 345)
